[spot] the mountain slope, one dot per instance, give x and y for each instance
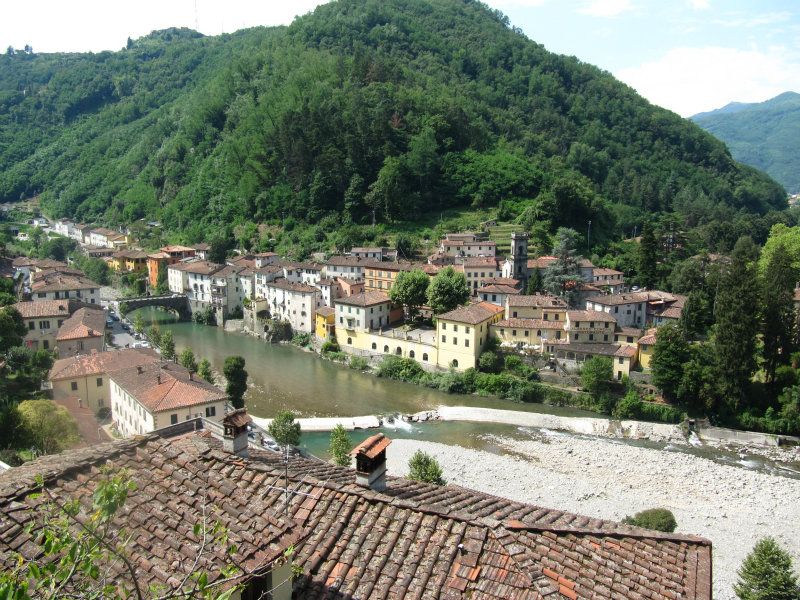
(364, 110)
(764, 135)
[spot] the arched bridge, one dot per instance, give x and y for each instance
(177, 302)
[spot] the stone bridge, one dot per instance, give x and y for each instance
(175, 302)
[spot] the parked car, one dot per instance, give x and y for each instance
(126, 327)
(109, 322)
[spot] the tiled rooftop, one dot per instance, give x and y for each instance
(43, 308)
(590, 315)
(166, 386)
(537, 301)
(101, 362)
(364, 299)
(473, 313)
(85, 323)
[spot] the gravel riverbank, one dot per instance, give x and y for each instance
(599, 477)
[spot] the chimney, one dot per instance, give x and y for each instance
(234, 438)
(371, 462)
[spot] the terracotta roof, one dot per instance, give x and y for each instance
(375, 249)
(199, 267)
(176, 248)
(593, 349)
(85, 323)
(502, 281)
(481, 261)
(326, 311)
(544, 261)
(237, 418)
(57, 282)
(101, 362)
(671, 312)
(104, 231)
(493, 288)
(364, 299)
(617, 299)
(649, 338)
(590, 315)
(202, 246)
(634, 331)
(166, 386)
(158, 256)
(43, 308)
(411, 540)
(530, 324)
(473, 313)
(282, 283)
(346, 261)
(537, 301)
(372, 446)
(268, 270)
(180, 483)
(324, 281)
(628, 351)
(603, 272)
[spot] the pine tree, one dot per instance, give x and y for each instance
(693, 315)
(777, 311)
(766, 574)
(648, 257)
(235, 373)
(735, 339)
(561, 276)
(670, 354)
(534, 282)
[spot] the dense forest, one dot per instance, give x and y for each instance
(365, 111)
(762, 134)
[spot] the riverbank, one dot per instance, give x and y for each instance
(602, 478)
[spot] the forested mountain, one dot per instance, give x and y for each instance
(363, 110)
(764, 135)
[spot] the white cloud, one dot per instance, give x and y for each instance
(769, 18)
(606, 8)
(693, 80)
(699, 4)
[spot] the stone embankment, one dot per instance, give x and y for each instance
(731, 506)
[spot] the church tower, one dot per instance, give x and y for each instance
(519, 256)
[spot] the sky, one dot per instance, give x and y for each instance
(688, 56)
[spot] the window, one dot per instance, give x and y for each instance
(575, 337)
(616, 309)
(455, 341)
(454, 364)
(577, 323)
(398, 351)
(44, 324)
(32, 325)
(558, 335)
(545, 316)
(425, 357)
(514, 314)
(555, 316)
(41, 295)
(374, 346)
(349, 341)
(100, 402)
(494, 297)
(411, 354)
(73, 386)
(341, 320)
(386, 348)
(591, 324)
(591, 337)
(444, 339)
(173, 419)
(444, 326)
(621, 360)
(630, 339)
(466, 343)
(211, 411)
(466, 329)
(527, 333)
(605, 338)
(45, 344)
(455, 327)
(99, 381)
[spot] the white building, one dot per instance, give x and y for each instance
(296, 303)
(351, 267)
(152, 396)
(630, 310)
(364, 311)
(55, 285)
(64, 227)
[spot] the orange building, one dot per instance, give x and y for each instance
(168, 255)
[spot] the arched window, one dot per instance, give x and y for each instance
(398, 351)
(425, 357)
(454, 364)
(386, 348)
(374, 346)
(349, 341)
(411, 354)
(539, 333)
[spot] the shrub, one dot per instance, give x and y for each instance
(207, 316)
(662, 413)
(659, 519)
(489, 362)
(236, 313)
(767, 574)
(301, 339)
(340, 446)
(103, 413)
(629, 407)
(423, 467)
(402, 369)
(359, 363)
(337, 356)
(10, 457)
(513, 363)
(330, 346)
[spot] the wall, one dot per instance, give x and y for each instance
(361, 343)
(92, 395)
(82, 346)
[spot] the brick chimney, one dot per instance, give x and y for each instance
(371, 462)
(234, 438)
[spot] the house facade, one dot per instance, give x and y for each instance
(461, 334)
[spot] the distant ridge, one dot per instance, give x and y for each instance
(765, 135)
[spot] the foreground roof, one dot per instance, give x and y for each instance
(98, 363)
(411, 540)
(85, 323)
(370, 298)
(473, 313)
(43, 308)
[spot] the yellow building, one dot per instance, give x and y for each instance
(533, 334)
(42, 320)
(646, 344)
(462, 333)
(135, 261)
(536, 306)
(380, 277)
(324, 323)
(590, 326)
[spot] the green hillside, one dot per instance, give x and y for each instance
(765, 135)
(364, 111)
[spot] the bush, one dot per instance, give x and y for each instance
(513, 363)
(401, 369)
(207, 316)
(359, 363)
(103, 413)
(659, 519)
(629, 407)
(767, 574)
(489, 362)
(330, 346)
(236, 313)
(423, 467)
(10, 457)
(337, 356)
(340, 446)
(301, 339)
(662, 413)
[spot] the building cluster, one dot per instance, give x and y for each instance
(347, 533)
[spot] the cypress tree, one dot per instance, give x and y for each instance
(670, 355)
(736, 327)
(561, 275)
(648, 257)
(777, 311)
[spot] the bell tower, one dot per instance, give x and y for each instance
(519, 256)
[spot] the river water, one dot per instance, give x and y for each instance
(285, 377)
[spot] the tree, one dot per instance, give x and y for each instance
(204, 370)
(659, 519)
(167, 345)
(405, 245)
(236, 376)
(95, 269)
(162, 286)
(410, 289)
(49, 427)
(423, 467)
(670, 354)
(648, 257)
(12, 328)
(138, 323)
(447, 290)
(735, 335)
(778, 317)
(596, 375)
(534, 283)
(154, 333)
(561, 275)
(188, 361)
(284, 429)
(340, 447)
(767, 574)
(693, 315)
(490, 362)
